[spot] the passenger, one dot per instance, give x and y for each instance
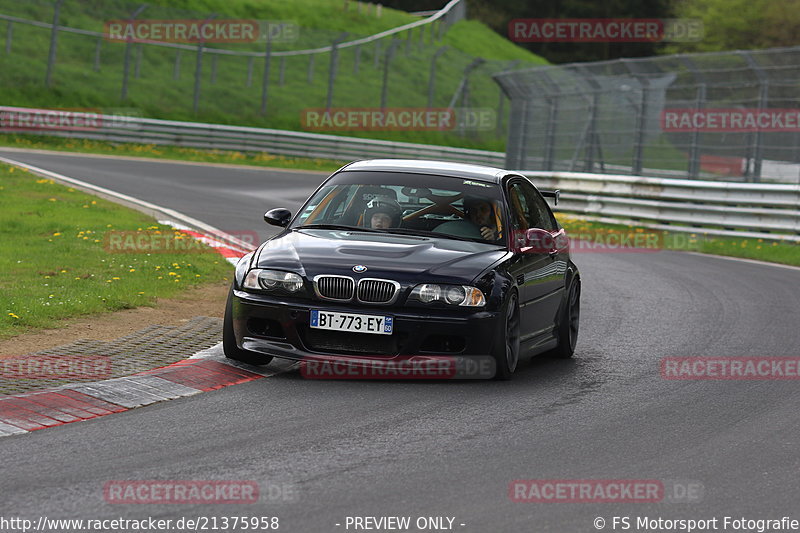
(480, 212)
(382, 213)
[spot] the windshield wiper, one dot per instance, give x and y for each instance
(396, 231)
(337, 226)
(430, 234)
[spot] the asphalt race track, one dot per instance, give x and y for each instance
(384, 448)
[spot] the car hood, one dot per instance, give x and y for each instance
(399, 257)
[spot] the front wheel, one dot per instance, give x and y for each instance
(506, 347)
(569, 321)
(232, 351)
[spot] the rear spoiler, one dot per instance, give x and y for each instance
(551, 194)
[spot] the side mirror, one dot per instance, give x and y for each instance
(278, 217)
(537, 240)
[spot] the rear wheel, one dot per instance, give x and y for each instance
(506, 347)
(232, 351)
(569, 322)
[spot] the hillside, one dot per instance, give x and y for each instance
(226, 97)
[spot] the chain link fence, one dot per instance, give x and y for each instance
(61, 47)
(729, 115)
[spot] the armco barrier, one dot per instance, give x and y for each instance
(281, 142)
(716, 208)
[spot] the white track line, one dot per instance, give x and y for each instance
(151, 209)
(160, 160)
(745, 260)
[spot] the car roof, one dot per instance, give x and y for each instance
(439, 168)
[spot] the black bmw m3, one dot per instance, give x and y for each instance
(393, 259)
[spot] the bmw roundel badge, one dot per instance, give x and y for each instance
(359, 268)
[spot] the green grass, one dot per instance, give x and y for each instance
(261, 159)
(770, 250)
(54, 259)
(229, 99)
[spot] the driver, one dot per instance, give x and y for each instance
(382, 213)
(480, 212)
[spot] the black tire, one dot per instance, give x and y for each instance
(506, 346)
(232, 351)
(569, 322)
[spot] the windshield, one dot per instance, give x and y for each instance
(408, 204)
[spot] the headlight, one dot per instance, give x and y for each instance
(461, 295)
(241, 268)
(272, 280)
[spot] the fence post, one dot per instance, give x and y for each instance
(500, 109)
(522, 152)
(282, 71)
(176, 69)
(51, 57)
(386, 61)
(127, 58)
(502, 98)
(591, 140)
(463, 87)
(693, 169)
(9, 36)
(641, 122)
(198, 69)
(694, 149)
(97, 47)
(432, 75)
(138, 65)
(356, 58)
(408, 41)
(758, 140)
(333, 67)
(310, 68)
(756, 149)
(265, 79)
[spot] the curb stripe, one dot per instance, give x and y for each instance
(37, 410)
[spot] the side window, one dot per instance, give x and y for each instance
(520, 211)
(539, 215)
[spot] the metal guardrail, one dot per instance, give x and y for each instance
(242, 138)
(763, 211)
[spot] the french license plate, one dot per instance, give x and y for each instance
(381, 325)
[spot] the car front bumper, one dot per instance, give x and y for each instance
(281, 328)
